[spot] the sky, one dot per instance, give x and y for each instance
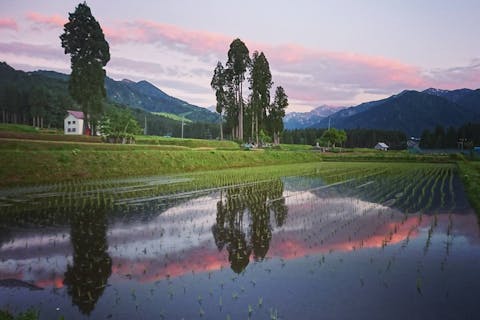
(324, 52)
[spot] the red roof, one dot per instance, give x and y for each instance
(76, 114)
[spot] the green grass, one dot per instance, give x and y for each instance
(470, 174)
(31, 162)
(172, 116)
(191, 143)
(45, 135)
(295, 147)
(17, 128)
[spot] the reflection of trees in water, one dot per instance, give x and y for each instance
(229, 229)
(92, 266)
(5, 236)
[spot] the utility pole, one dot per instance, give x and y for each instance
(182, 126)
(145, 127)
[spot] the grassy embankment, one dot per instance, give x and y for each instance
(30, 162)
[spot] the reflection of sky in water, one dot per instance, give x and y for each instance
(183, 234)
(321, 226)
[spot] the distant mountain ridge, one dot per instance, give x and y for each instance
(411, 111)
(146, 96)
(301, 120)
(142, 95)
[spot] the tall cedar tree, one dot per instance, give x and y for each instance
(238, 62)
(84, 40)
(218, 84)
(276, 114)
(260, 84)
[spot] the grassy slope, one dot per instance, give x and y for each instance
(191, 143)
(39, 162)
(172, 116)
(29, 162)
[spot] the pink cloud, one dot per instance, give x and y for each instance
(310, 76)
(50, 22)
(338, 71)
(189, 41)
(8, 23)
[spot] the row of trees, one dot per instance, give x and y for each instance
(354, 138)
(466, 136)
(37, 105)
(257, 113)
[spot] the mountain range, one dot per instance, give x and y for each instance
(301, 120)
(141, 95)
(410, 111)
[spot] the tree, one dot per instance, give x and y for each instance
(260, 84)
(38, 100)
(334, 136)
(218, 84)
(119, 126)
(87, 277)
(84, 40)
(276, 114)
(238, 62)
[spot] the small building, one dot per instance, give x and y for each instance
(413, 143)
(73, 122)
(381, 146)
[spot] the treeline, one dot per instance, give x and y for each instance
(32, 99)
(42, 101)
(257, 117)
(356, 138)
(439, 138)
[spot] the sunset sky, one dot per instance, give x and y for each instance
(338, 52)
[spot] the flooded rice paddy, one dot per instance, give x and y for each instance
(313, 241)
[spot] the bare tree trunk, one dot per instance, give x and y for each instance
(221, 127)
(240, 114)
(276, 138)
(252, 133)
(256, 127)
(41, 122)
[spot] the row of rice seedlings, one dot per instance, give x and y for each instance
(406, 202)
(436, 190)
(427, 192)
(384, 186)
(451, 192)
(443, 184)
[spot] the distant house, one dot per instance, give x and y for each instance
(413, 145)
(73, 122)
(381, 146)
(413, 142)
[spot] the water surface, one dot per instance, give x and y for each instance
(376, 246)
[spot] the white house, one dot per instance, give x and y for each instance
(73, 122)
(381, 146)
